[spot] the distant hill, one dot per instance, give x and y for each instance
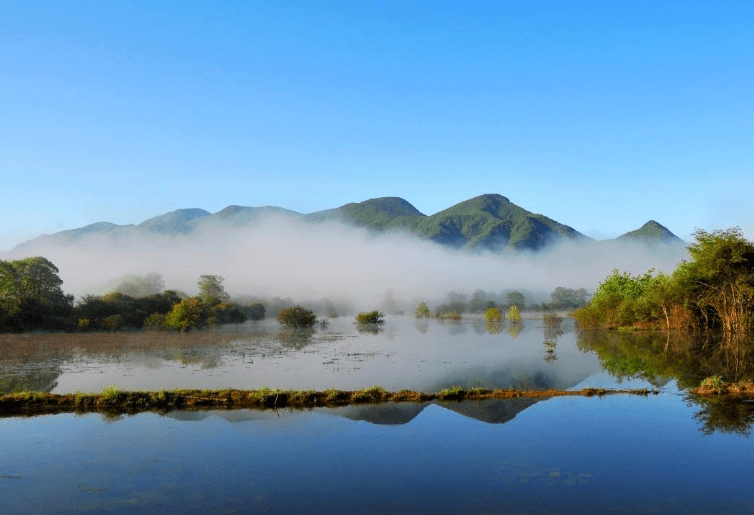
(487, 222)
(652, 232)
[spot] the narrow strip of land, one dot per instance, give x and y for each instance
(113, 400)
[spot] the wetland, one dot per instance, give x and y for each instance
(667, 452)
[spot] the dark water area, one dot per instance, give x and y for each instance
(618, 454)
(664, 453)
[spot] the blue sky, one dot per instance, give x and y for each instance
(600, 115)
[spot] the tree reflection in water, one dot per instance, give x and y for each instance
(658, 357)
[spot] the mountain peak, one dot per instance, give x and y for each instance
(651, 231)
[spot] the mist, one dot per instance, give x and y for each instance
(289, 258)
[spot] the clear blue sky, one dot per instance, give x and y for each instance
(600, 115)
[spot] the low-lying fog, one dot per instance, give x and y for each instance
(289, 258)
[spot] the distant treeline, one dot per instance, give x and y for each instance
(31, 299)
(713, 290)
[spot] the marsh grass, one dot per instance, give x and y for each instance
(114, 402)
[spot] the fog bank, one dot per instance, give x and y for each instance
(291, 258)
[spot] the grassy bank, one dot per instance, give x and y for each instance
(112, 400)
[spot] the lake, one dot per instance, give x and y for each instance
(664, 453)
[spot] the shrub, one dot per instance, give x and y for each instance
(297, 316)
(513, 314)
(493, 315)
(186, 315)
(155, 321)
(422, 311)
(113, 322)
(370, 317)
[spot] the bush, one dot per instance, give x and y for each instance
(297, 316)
(513, 314)
(186, 315)
(155, 321)
(422, 311)
(493, 315)
(113, 322)
(370, 317)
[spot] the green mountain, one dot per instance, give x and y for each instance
(487, 222)
(175, 222)
(652, 232)
(492, 222)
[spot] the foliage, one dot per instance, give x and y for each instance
(155, 321)
(187, 314)
(297, 316)
(211, 289)
(113, 322)
(30, 295)
(254, 311)
(225, 313)
(140, 286)
(422, 311)
(567, 298)
(479, 302)
(516, 299)
(370, 317)
(514, 315)
(715, 289)
(494, 315)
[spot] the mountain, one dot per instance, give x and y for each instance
(492, 222)
(487, 222)
(652, 232)
(377, 214)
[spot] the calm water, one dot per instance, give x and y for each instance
(664, 453)
(405, 353)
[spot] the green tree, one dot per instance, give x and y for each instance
(494, 315)
(515, 298)
(186, 315)
(211, 289)
(31, 278)
(297, 316)
(567, 298)
(720, 277)
(141, 286)
(513, 314)
(422, 311)
(370, 317)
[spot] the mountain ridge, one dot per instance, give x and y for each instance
(489, 222)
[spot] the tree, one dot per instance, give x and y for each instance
(567, 298)
(138, 286)
(370, 317)
(297, 316)
(720, 277)
(30, 295)
(211, 289)
(31, 278)
(186, 315)
(515, 298)
(422, 310)
(494, 315)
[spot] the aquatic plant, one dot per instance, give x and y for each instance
(713, 383)
(422, 311)
(111, 392)
(494, 315)
(297, 316)
(370, 317)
